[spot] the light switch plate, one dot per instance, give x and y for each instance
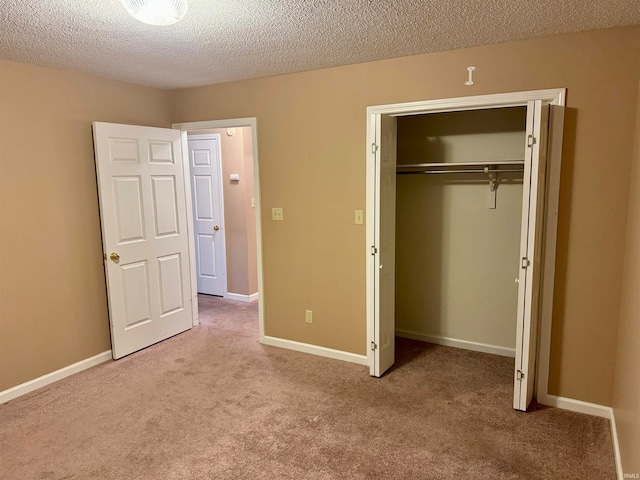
(359, 217)
(277, 214)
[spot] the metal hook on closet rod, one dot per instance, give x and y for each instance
(493, 185)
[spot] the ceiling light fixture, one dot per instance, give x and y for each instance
(157, 12)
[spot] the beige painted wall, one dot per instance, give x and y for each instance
(312, 163)
(239, 216)
(626, 394)
(312, 154)
(456, 259)
(53, 309)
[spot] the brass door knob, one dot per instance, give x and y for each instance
(216, 228)
(114, 257)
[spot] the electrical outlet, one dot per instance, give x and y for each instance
(277, 214)
(359, 217)
(308, 316)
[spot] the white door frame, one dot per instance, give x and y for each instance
(227, 123)
(552, 97)
(220, 187)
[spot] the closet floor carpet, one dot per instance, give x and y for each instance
(213, 403)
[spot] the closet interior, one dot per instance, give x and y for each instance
(458, 227)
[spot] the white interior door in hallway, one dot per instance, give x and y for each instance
(206, 185)
(143, 212)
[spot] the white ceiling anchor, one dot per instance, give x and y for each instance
(470, 70)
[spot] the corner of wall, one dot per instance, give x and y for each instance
(626, 388)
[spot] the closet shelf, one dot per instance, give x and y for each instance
(461, 164)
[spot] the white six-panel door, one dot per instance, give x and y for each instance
(144, 234)
(206, 186)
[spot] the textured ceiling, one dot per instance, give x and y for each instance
(225, 40)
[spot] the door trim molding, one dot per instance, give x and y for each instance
(190, 228)
(230, 123)
(49, 378)
(555, 96)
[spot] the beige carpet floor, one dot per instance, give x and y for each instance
(213, 403)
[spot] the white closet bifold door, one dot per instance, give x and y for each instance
(530, 252)
(384, 253)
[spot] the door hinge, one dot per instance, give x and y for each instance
(374, 346)
(374, 148)
(525, 262)
(374, 250)
(519, 374)
(531, 141)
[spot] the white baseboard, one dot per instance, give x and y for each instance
(575, 405)
(590, 409)
(315, 350)
(616, 446)
(242, 298)
(52, 377)
(453, 342)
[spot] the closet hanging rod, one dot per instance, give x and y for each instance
(461, 164)
(486, 171)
